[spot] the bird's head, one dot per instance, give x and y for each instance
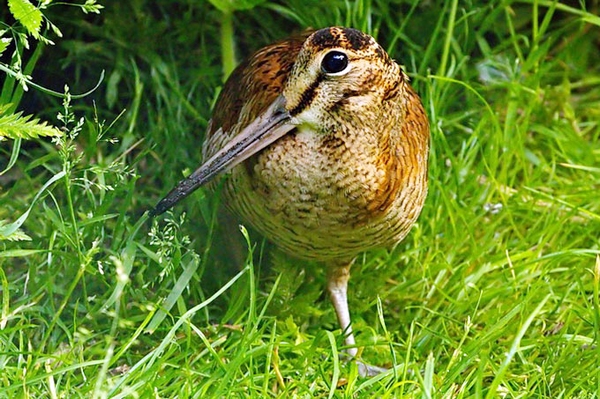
(340, 73)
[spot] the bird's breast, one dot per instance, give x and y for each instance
(323, 195)
(317, 180)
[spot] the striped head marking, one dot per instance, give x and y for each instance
(340, 71)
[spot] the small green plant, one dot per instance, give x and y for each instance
(16, 126)
(25, 33)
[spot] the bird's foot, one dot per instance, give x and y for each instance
(366, 370)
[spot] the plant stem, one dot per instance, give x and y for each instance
(227, 44)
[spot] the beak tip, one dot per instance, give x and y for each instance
(163, 205)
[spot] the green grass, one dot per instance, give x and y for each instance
(495, 293)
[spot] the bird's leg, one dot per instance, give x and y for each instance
(337, 285)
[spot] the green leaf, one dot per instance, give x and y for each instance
(4, 42)
(229, 6)
(182, 283)
(27, 14)
(17, 235)
(19, 253)
(91, 6)
(16, 126)
(6, 230)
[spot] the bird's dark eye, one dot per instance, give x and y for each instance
(334, 62)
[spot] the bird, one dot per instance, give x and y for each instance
(323, 147)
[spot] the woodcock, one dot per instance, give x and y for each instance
(325, 145)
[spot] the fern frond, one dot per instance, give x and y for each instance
(17, 235)
(15, 125)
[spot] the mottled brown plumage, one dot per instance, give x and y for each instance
(326, 146)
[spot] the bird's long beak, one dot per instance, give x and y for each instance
(264, 130)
